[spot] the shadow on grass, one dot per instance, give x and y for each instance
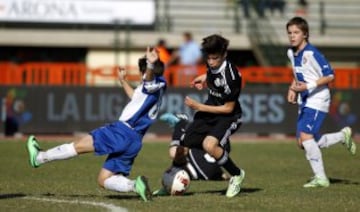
(130, 196)
(342, 181)
(123, 196)
(11, 196)
(70, 195)
(223, 191)
(21, 195)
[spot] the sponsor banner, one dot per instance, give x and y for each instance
(71, 109)
(137, 12)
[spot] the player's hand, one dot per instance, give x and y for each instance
(298, 86)
(291, 97)
(198, 82)
(122, 74)
(195, 105)
(151, 55)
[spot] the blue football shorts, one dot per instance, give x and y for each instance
(120, 143)
(310, 122)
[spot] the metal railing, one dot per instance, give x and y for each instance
(77, 74)
(265, 43)
(349, 21)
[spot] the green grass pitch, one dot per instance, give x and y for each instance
(275, 173)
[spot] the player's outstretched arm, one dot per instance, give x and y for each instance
(228, 107)
(122, 78)
(151, 57)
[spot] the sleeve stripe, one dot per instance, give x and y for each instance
(232, 72)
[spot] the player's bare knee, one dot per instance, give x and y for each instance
(304, 137)
(101, 181)
(299, 143)
(103, 175)
(209, 147)
(84, 144)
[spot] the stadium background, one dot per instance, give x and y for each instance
(58, 58)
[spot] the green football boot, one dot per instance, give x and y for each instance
(317, 182)
(33, 149)
(349, 142)
(235, 184)
(142, 188)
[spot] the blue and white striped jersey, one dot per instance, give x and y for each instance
(308, 66)
(144, 105)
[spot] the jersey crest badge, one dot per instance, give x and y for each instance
(218, 82)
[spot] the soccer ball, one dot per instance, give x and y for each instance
(176, 181)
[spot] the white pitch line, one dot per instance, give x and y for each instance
(110, 207)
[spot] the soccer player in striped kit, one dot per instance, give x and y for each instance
(122, 139)
(312, 74)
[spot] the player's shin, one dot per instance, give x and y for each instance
(314, 156)
(64, 151)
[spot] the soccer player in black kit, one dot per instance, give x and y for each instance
(199, 164)
(220, 115)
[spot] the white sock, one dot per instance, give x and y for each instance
(119, 183)
(330, 139)
(64, 151)
(313, 155)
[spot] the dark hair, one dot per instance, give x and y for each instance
(161, 42)
(188, 35)
(301, 23)
(214, 44)
(142, 64)
(158, 66)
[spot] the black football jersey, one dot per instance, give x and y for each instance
(224, 85)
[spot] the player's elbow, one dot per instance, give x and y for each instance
(227, 109)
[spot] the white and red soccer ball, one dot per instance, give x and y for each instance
(176, 181)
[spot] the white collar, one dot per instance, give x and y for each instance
(220, 69)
